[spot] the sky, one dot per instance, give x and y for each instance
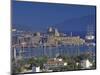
(36, 16)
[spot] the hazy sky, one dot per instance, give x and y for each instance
(39, 16)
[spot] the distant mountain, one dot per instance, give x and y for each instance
(78, 24)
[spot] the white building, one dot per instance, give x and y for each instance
(86, 64)
(56, 62)
(35, 69)
(13, 30)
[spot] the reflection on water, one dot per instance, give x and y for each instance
(68, 50)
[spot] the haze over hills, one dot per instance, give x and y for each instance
(78, 24)
(37, 16)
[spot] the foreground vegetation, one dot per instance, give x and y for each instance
(20, 65)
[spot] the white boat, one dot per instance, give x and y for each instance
(90, 37)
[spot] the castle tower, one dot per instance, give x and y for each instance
(50, 29)
(56, 32)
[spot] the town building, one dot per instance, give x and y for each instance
(54, 63)
(86, 64)
(35, 69)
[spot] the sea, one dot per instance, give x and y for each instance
(66, 50)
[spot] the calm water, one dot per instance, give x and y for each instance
(54, 51)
